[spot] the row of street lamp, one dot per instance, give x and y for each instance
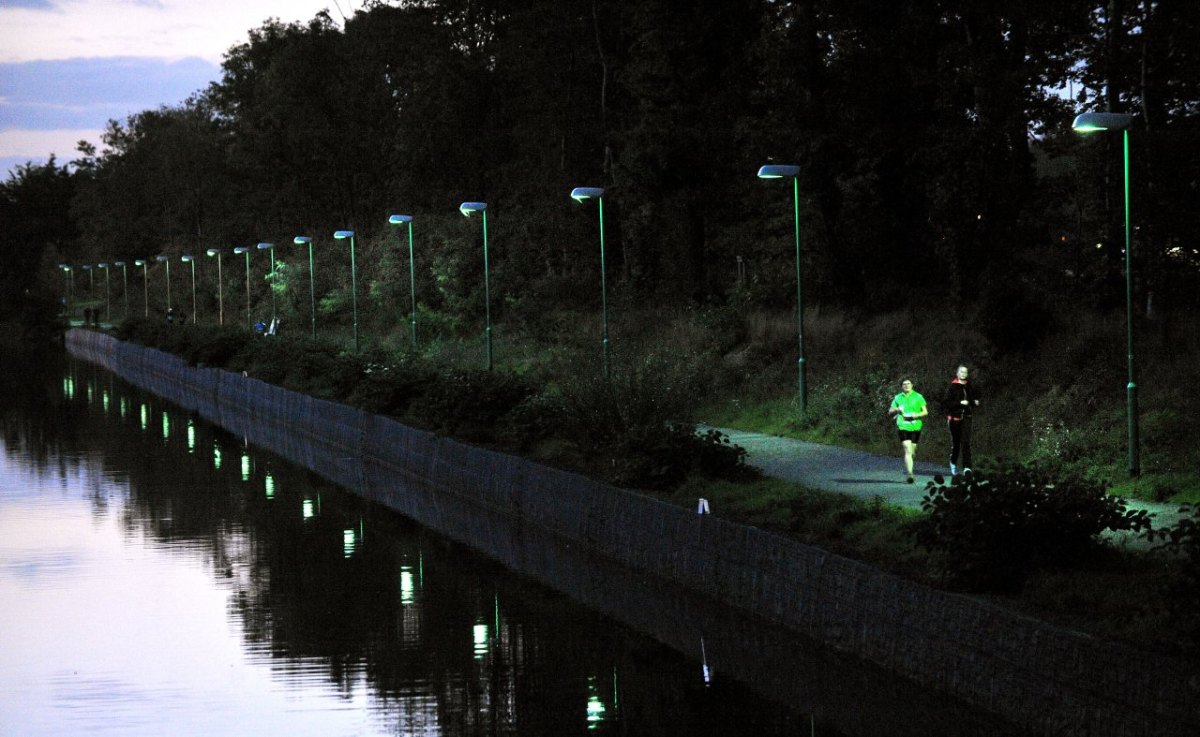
(1083, 123)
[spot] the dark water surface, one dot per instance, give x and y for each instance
(158, 576)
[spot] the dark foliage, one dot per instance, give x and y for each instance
(1181, 546)
(992, 530)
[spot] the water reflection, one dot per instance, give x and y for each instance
(161, 592)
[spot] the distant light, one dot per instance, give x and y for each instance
(1090, 122)
(777, 171)
(1099, 245)
(579, 194)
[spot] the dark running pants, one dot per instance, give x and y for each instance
(960, 441)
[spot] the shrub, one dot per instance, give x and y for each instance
(1181, 546)
(640, 421)
(992, 530)
(470, 404)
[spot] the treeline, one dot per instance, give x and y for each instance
(934, 144)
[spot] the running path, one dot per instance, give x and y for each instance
(867, 475)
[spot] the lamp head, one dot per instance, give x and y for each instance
(139, 262)
(777, 171)
(119, 263)
(160, 258)
(343, 234)
(86, 267)
(400, 219)
(185, 259)
(213, 252)
(265, 246)
(300, 240)
(241, 249)
(467, 208)
(65, 267)
(1090, 122)
(579, 194)
(101, 266)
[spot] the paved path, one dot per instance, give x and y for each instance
(867, 475)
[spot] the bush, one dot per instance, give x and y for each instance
(991, 531)
(1181, 546)
(470, 404)
(639, 420)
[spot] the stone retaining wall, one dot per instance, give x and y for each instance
(1045, 678)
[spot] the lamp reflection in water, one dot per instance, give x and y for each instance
(269, 485)
(191, 436)
(245, 466)
(308, 509)
(124, 410)
(166, 426)
(104, 400)
(480, 638)
(216, 455)
(596, 710)
(407, 588)
(350, 540)
(145, 416)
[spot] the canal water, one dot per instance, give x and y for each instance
(160, 576)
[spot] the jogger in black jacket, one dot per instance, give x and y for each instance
(961, 400)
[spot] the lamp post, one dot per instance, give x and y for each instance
(145, 285)
(91, 282)
(412, 272)
(192, 262)
(69, 276)
(270, 247)
(246, 250)
(579, 194)
(312, 281)
(167, 261)
(342, 235)
(466, 209)
(779, 171)
(107, 300)
(220, 286)
(124, 287)
(1088, 123)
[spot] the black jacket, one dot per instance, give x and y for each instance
(952, 400)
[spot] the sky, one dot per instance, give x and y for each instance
(69, 66)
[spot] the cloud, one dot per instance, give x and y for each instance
(86, 92)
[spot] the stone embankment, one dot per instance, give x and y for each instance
(1044, 678)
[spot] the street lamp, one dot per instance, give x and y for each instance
(579, 194)
(167, 261)
(779, 171)
(342, 235)
(466, 209)
(125, 286)
(412, 273)
(145, 285)
(1088, 123)
(220, 286)
(270, 247)
(107, 300)
(246, 250)
(312, 283)
(69, 274)
(192, 262)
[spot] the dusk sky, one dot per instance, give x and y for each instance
(69, 66)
